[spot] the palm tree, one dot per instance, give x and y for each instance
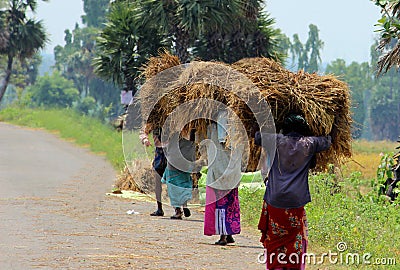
(26, 36)
(389, 42)
(184, 21)
(250, 35)
(74, 60)
(3, 31)
(124, 45)
(313, 45)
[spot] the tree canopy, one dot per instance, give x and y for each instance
(307, 56)
(54, 91)
(25, 36)
(124, 46)
(210, 30)
(95, 12)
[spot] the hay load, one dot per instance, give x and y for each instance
(157, 64)
(323, 100)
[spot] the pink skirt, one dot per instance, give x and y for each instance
(222, 212)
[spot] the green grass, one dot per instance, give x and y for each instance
(70, 125)
(247, 178)
(365, 222)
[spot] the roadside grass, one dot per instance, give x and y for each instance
(367, 225)
(347, 211)
(70, 125)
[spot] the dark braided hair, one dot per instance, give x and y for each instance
(295, 123)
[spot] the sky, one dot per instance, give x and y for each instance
(57, 16)
(346, 26)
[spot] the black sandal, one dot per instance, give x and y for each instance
(157, 213)
(222, 241)
(229, 239)
(186, 212)
(178, 214)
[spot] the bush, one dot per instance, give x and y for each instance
(53, 91)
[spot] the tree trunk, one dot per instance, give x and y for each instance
(182, 44)
(6, 80)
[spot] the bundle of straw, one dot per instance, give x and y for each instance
(323, 100)
(155, 65)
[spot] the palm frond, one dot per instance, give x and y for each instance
(390, 59)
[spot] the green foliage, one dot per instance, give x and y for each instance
(384, 171)
(382, 100)
(84, 130)
(218, 30)
(24, 73)
(86, 105)
(95, 12)
(389, 30)
(251, 35)
(313, 46)
(74, 62)
(375, 106)
(24, 36)
(358, 77)
(124, 46)
(364, 222)
(251, 201)
(182, 22)
(54, 91)
(384, 106)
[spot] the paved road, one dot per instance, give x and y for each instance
(55, 214)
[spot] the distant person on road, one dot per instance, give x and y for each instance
(159, 164)
(283, 220)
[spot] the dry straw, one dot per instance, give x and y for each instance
(323, 100)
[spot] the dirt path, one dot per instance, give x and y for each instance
(55, 215)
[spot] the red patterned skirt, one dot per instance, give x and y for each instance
(284, 236)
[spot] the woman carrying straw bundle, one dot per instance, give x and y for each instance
(180, 151)
(159, 164)
(222, 211)
(283, 220)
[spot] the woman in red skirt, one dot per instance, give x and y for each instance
(283, 220)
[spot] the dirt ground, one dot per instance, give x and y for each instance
(55, 214)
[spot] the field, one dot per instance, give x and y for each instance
(345, 210)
